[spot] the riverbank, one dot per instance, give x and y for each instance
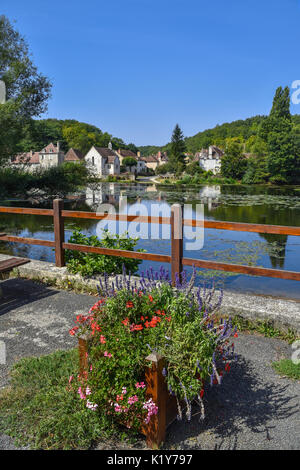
(282, 314)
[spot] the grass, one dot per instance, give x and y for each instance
(287, 368)
(264, 328)
(39, 411)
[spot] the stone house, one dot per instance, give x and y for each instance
(48, 157)
(103, 161)
(210, 159)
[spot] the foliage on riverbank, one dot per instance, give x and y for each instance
(68, 177)
(202, 178)
(89, 264)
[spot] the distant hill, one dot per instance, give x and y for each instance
(37, 133)
(217, 135)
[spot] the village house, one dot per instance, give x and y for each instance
(103, 161)
(153, 161)
(48, 157)
(210, 160)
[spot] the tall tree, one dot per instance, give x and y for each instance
(178, 147)
(233, 163)
(27, 91)
(277, 130)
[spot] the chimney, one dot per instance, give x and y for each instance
(159, 155)
(138, 153)
(110, 146)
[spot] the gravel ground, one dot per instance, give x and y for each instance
(254, 408)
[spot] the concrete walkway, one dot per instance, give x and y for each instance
(254, 408)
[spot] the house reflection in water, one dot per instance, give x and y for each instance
(107, 193)
(209, 195)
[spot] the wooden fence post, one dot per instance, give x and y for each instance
(59, 232)
(83, 354)
(155, 430)
(176, 241)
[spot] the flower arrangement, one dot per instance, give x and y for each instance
(130, 320)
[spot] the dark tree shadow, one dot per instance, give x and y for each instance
(243, 400)
(20, 292)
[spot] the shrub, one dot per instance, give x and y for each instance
(63, 179)
(128, 322)
(88, 264)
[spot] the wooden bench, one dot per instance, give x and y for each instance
(11, 263)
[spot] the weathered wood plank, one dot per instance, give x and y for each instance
(120, 253)
(28, 241)
(12, 263)
(237, 268)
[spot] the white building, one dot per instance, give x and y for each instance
(103, 161)
(49, 156)
(210, 160)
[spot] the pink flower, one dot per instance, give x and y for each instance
(124, 391)
(107, 354)
(151, 408)
(132, 400)
(140, 385)
(88, 391)
(91, 406)
(70, 379)
(81, 394)
(102, 339)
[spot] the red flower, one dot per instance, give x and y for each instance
(201, 393)
(150, 298)
(236, 335)
(126, 321)
(138, 327)
(227, 367)
(73, 330)
(129, 304)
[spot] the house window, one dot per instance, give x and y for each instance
(93, 160)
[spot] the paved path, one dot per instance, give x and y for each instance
(254, 408)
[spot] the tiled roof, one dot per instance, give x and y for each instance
(217, 150)
(51, 148)
(111, 158)
(105, 152)
(126, 153)
(30, 158)
(150, 159)
(73, 155)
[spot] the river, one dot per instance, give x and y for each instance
(237, 203)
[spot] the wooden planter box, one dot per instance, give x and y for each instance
(156, 388)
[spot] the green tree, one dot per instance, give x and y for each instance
(129, 161)
(178, 147)
(27, 90)
(233, 163)
(277, 131)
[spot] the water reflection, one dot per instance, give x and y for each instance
(252, 204)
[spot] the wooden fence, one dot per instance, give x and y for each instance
(176, 258)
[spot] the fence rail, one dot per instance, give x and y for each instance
(176, 221)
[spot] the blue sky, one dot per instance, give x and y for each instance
(135, 68)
